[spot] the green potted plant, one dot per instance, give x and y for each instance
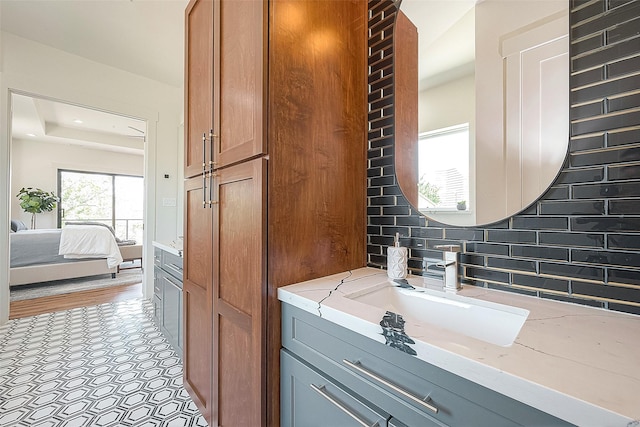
(462, 205)
(35, 201)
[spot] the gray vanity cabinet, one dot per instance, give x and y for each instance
(411, 391)
(167, 296)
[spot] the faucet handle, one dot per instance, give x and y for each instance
(448, 248)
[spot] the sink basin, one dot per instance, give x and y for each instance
(487, 321)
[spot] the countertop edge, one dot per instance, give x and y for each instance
(167, 248)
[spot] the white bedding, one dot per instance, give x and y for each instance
(89, 241)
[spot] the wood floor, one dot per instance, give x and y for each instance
(50, 304)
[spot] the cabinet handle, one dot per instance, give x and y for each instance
(211, 175)
(211, 136)
(204, 188)
(341, 406)
(204, 152)
(204, 170)
(358, 367)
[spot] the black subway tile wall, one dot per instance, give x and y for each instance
(580, 242)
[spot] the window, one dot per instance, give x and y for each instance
(116, 200)
(444, 168)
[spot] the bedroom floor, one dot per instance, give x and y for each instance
(104, 365)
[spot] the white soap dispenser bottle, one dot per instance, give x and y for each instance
(396, 260)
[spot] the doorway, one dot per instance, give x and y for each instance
(51, 138)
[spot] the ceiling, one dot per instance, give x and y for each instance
(50, 121)
(144, 37)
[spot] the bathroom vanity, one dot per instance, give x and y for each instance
(357, 350)
(167, 293)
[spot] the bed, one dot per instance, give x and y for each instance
(87, 249)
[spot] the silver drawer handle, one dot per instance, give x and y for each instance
(343, 408)
(358, 367)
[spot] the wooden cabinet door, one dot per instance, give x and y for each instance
(406, 105)
(198, 91)
(240, 41)
(197, 296)
(239, 295)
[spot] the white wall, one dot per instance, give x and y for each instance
(36, 164)
(449, 104)
(33, 68)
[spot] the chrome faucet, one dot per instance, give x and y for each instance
(450, 265)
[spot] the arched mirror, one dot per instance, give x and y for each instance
(482, 105)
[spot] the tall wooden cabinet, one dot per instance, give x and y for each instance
(275, 192)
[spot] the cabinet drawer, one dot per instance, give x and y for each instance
(312, 400)
(157, 257)
(157, 282)
(172, 264)
(411, 390)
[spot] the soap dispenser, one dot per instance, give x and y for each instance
(396, 260)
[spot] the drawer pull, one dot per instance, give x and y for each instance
(358, 367)
(341, 406)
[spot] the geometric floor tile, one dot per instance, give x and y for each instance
(106, 366)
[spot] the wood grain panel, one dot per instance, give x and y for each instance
(240, 84)
(198, 297)
(317, 122)
(198, 105)
(317, 150)
(240, 319)
(197, 236)
(406, 106)
(240, 286)
(197, 347)
(237, 376)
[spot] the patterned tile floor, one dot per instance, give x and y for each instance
(106, 365)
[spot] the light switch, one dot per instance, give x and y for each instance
(168, 201)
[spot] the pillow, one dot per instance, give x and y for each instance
(17, 225)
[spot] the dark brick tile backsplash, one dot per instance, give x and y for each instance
(580, 242)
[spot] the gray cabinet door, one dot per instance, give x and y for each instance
(167, 296)
(309, 399)
(172, 311)
(157, 309)
(158, 291)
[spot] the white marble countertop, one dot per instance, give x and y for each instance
(169, 247)
(578, 363)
